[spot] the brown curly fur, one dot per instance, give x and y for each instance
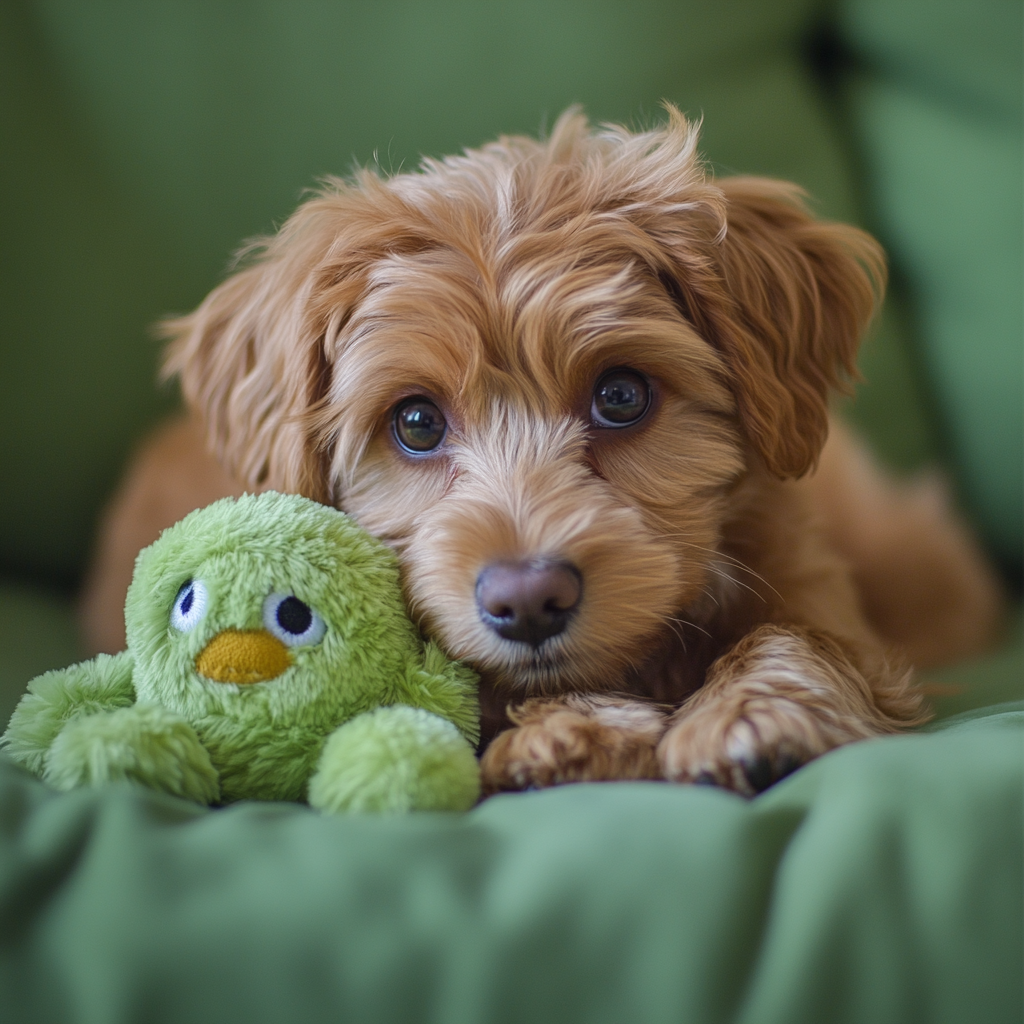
(501, 284)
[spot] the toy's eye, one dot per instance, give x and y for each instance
(189, 605)
(292, 621)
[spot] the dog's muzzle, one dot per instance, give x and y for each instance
(530, 601)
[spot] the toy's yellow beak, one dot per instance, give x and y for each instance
(237, 656)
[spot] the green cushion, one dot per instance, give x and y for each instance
(143, 142)
(863, 888)
(882, 883)
(938, 104)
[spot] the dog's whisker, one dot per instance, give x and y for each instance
(686, 622)
(739, 583)
(731, 560)
(743, 586)
(677, 632)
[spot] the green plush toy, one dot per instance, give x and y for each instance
(269, 657)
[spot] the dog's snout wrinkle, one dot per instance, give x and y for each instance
(528, 601)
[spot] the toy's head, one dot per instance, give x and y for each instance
(269, 618)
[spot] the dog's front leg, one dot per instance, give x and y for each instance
(575, 738)
(776, 700)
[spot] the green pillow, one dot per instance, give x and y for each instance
(938, 105)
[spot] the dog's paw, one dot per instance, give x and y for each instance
(746, 749)
(554, 743)
(778, 699)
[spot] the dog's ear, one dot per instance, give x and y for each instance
(252, 370)
(798, 294)
(255, 358)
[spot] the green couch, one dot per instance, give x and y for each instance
(141, 143)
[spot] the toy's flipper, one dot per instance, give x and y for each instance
(396, 758)
(145, 743)
(103, 683)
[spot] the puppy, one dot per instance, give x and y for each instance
(582, 389)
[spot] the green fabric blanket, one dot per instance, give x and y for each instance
(880, 883)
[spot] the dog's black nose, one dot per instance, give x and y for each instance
(528, 601)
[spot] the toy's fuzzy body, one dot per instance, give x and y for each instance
(256, 628)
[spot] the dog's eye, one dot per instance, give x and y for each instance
(621, 397)
(419, 425)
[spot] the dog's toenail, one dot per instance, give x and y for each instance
(786, 765)
(704, 779)
(759, 773)
(763, 773)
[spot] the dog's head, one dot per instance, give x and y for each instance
(538, 370)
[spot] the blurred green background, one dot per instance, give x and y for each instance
(142, 143)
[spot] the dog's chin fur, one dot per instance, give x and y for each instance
(501, 285)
